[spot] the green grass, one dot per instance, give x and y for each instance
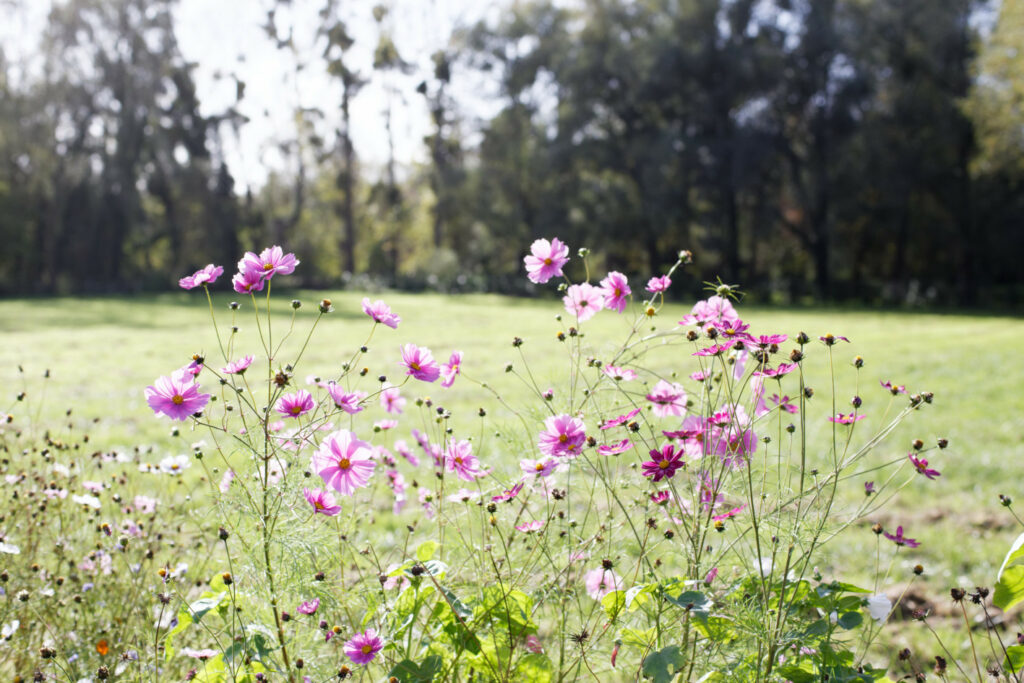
(101, 352)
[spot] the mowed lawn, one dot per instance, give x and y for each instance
(102, 352)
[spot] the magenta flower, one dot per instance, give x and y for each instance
(271, 261)
(583, 301)
(363, 647)
(785, 403)
(344, 462)
(247, 280)
(237, 367)
(713, 309)
(921, 465)
(203, 276)
(733, 330)
(660, 497)
(201, 655)
(711, 575)
(323, 502)
(893, 388)
(391, 400)
(846, 419)
(508, 494)
(831, 339)
(621, 419)
(658, 284)
(309, 607)
(294, 405)
(619, 374)
(545, 260)
(731, 513)
(538, 468)
(614, 448)
(664, 463)
(349, 401)
(459, 458)
(782, 370)
(176, 396)
(668, 399)
(601, 582)
(714, 350)
(530, 527)
(450, 369)
(615, 290)
(381, 313)
(420, 363)
(869, 488)
(563, 435)
(899, 539)
(767, 341)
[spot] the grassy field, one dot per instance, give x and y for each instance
(101, 352)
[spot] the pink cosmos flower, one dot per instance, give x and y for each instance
(308, 607)
(271, 261)
(766, 341)
(144, 505)
(782, 370)
(921, 465)
(733, 330)
(203, 276)
(323, 502)
(668, 399)
(391, 400)
(508, 494)
(614, 448)
(381, 313)
(545, 260)
(201, 655)
(583, 301)
(615, 290)
(534, 645)
(176, 396)
(344, 462)
(601, 582)
(247, 280)
(459, 458)
(893, 388)
(92, 486)
(846, 419)
(714, 350)
(530, 527)
(713, 309)
(663, 463)
(899, 539)
(700, 375)
(621, 419)
(294, 405)
(463, 495)
(869, 488)
(238, 367)
(538, 468)
(225, 481)
(402, 448)
(658, 284)
(563, 435)
(420, 363)
(619, 374)
(450, 369)
(731, 513)
(384, 425)
(711, 576)
(831, 339)
(363, 647)
(785, 403)
(349, 401)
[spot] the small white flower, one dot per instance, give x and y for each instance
(879, 607)
(89, 501)
(9, 629)
(175, 464)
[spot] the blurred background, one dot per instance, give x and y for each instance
(869, 151)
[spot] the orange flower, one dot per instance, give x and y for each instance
(102, 647)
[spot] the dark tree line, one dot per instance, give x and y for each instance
(834, 149)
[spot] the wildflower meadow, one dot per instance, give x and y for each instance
(604, 484)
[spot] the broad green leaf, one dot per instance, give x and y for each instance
(663, 665)
(426, 550)
(717, 629)
(536, 668)
(1014, 555)
(691, 601)
(204, 604)
(408, 671)
(638, 596)
(1014, 658)
(184, 621)
(1009, 588)
(613, 603)
(637, 638)
(800, 672)
(850, 620)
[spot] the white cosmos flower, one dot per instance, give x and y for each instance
(879, 607)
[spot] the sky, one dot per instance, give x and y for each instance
(226, 39)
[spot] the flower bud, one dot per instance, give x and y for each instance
(296, 304)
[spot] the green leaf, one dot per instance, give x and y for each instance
(184, 621)
(692, 601)
(536, 668)
(663, 665)
(1014, 555)
(801, 672)
(204, 604)
(613, 603)
(637, 638)
(850, 620)
(1014, 658)
(408, 671)
(717, 629)
(1009, 588)
(426, 550)
(638, 596)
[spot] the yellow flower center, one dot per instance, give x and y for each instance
(318, 505)
(663, 464)
(650, 311)
(414, 365)
(268, 266)
(295, 410)
(367, 649)
(547, 261)
(344, 463)
(539, 467)
(562, 438)
(178, 399)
